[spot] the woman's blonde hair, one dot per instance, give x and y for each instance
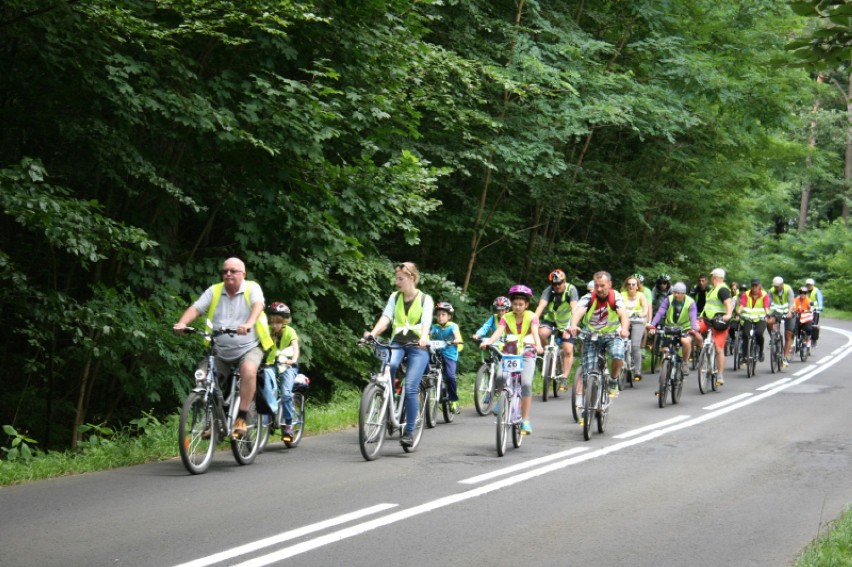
(409, 268)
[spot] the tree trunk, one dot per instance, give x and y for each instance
(806, 189)
(847, 170)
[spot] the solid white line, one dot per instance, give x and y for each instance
(824, 359)
(499, 485)
(723, 403)
(773, 384)
(805, 370)
(525, 465)
(627, 434)
(286, 536)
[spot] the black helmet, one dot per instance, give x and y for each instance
(279, 309)
(664, 278)
(502, 302)
(444, 306)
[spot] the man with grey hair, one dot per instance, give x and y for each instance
(603, 311)
(717, 312)
(240, 308)
(679, 310)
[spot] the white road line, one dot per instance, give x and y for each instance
(776, 383)
(525, 465)
(633, 432)
(824, 359)
(723, 403)
(286, 536)
(287, 552)
(805, 370)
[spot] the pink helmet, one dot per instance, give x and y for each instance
(520, 290)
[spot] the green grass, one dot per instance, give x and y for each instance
(837, 314)
(833, 549)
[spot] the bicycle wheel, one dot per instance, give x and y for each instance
(804, 351)
(655, 353)
(417, 434)
(246, 447)
(265, 425)
(628, 371)
(446, 409)
(677, 384)
(556, 384)
(738, 351)
(665, 372)
(503, 424)
(517, 436)
(433, 399)
(575, 410)
(196, 448)
(591, 397)
(705, 372)
(547, 365)
(714, 368)
(603, 412)
(298, 420)
(371, 421)
(482, 396)
(773, 360)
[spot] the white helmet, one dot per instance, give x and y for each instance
(810, 281)
(777, 280)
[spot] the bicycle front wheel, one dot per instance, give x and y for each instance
(417, 434)
(245, 448)
(591, 397)
(576, 410)
(665, 375)
(265, 425)
(482, 395)
(677, 384)
(738, 350)
(751, 362)
(804, 351)
(298, 420)
(433, 397)
(196, 433)
(371, 421)
(503, 424)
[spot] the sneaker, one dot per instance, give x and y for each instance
(287, 433)
(720, 380)
(207, 433)
(613, 388)
(637, 377)
(454, 407)
(760, 357)
(407, 440)
(785, 363)
(526, 428)
(240, 428)
(684, 368)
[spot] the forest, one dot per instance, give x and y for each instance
(322, 141)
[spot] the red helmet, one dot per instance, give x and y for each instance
(278, 309)
(444, 306)
(557, 276)
(502, 302)
(520, 290)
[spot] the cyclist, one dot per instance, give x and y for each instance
(717, 312)
(240, 307)
(663, 288)
(645, 289)
(554, 310)
(781, 304)
(639, 310)
(803, 306)
(522, 323)
(500, 306)
(446, 330)
(754, 308)
(817, 303)
(409, 314)
(286, 352)
(679, 310)
(699, 292)
(604, 312)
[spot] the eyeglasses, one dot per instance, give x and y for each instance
(227, 271)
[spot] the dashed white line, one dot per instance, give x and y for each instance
(776, 383)
(729, 401)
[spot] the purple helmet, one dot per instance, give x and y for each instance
(520, 290)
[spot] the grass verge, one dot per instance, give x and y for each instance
(832, 549)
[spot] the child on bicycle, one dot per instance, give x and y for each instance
(520, 327)
(285, 357)
(500, 306)
(446, 330)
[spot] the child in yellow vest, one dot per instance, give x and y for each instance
(285, 354)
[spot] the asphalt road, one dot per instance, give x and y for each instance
(745, 476)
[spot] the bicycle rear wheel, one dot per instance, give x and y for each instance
(547, 365)
(738, 350)
(503, 424)
(655, 352)
(298, 424)
(433, 399)
(417, 434)
(677, 384)
(665, 372)
(265, 425)
(483, 398)
(196, 447)
(371, 421)
(246, 447)
(804, 351)
(576, 411)
(751, 360)
(705, 372)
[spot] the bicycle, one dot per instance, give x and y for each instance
(801, 341)
(737, 348)
(436, 391)
(628, 370)
(596, 400)
(671, 373)
(551, 367)
(509, 400)
(708, 368)
(277, 421)
(776, 349)
(751, 354)
(207, 416)
(655, 352)
(483, 389)
(382, 408)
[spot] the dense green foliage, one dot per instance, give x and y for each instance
(487, 140)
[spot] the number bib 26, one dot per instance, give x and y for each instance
(512, 363)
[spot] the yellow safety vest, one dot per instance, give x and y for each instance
(261, 326)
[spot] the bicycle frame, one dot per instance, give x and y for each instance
(596, 400)
(671, 376)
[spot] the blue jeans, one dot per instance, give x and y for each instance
(418, 359)
(285, 387)
(450, 378)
